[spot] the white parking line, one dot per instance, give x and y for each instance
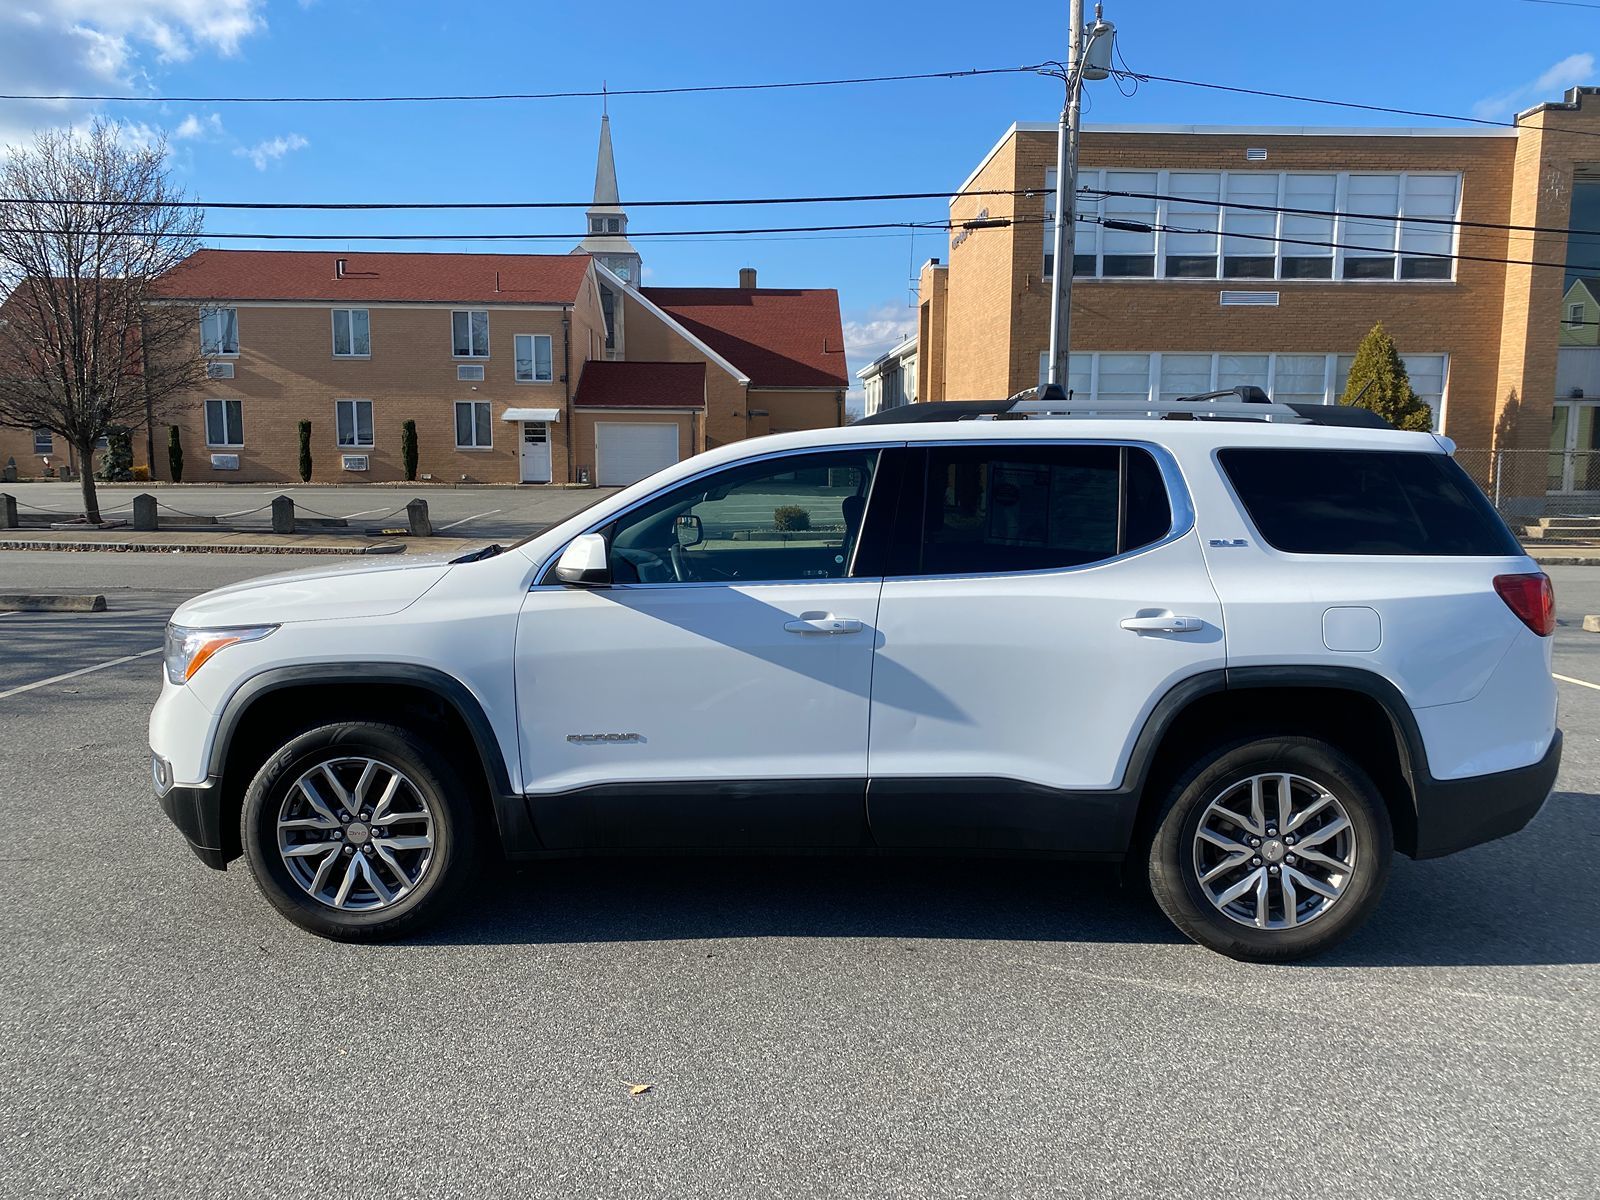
(365, 512)
(475, 517)
(1579, 682)
(115, 662)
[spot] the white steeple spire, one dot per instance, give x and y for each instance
(607, 236)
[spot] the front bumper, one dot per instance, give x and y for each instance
(1453, 814)
(197, 812)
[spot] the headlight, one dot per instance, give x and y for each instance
(188, 649)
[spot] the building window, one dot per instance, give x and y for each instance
(469, 333)
(597, 225)
(354, 421)
(473, 428)
(533, 358)
(1574, 314)
(224, 423)
(613, 225)
(43, 442)
(1271, 225)
(1287, 378)
(219, 331)
(608, 309)
(352, 333)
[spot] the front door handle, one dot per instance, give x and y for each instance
(1163, 623)
(825, 624)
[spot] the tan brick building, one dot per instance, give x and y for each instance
(1232, 286)
(515, 367)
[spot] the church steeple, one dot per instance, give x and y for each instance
(607, 236)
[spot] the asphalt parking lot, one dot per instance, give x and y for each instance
(494, 512)
(807, 1027)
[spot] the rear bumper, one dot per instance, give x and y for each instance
(197, 812)
(1453, 814)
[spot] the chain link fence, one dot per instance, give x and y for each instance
(1550, 489)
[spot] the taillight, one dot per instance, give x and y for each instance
(1532, 598)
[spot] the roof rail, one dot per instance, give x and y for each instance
(1243, 403)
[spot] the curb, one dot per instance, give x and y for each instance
(39, 603)
(186, 548)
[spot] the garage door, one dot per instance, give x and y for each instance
(626, 453)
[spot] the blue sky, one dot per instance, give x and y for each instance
(1480, 57)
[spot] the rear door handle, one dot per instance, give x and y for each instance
(1163, 623)
(825, 625)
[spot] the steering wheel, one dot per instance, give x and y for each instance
(680, 565)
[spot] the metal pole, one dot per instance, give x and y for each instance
(1066, 193)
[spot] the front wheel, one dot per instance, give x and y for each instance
(357, 830)
(1271, 850)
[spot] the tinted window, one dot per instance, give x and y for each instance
(1365, 502)
(998, 509)
(792, 518)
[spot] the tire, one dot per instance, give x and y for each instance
(404, 869)
(1325, 788)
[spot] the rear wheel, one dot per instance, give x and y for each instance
(1272, 849)
(357, 830)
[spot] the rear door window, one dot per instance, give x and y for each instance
(969, 510)
(1398, 502)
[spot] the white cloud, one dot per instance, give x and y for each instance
(194, 126)
(77, 47)
(1571, 71)
(869, 333)
(264, 154)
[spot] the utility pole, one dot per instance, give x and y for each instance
(1091, 61)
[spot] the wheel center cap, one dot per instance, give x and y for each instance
(1273, 850)
(358, 832)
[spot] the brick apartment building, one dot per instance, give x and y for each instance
(1273, 298)
(515, 367)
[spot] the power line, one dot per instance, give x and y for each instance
(988, 223)
(1352, 104)
(495, 205)
(575, 95)
(1562, 3)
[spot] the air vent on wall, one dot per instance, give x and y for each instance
(1258, 299)
(219, 370)
(224, 462)
(1255, 154)
(469, 374)
(353, 462)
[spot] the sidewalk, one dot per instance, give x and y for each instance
(232, 542)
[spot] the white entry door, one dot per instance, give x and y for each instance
(625, 452)
(535, 452)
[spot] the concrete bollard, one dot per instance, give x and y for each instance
(283, 515)
(8, 511)
(144, 512)
(8, 473)
(417, 514)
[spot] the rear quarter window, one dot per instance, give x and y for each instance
(1398, 502)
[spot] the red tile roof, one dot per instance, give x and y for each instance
(606, 384)
(778, 337)
(440, 278)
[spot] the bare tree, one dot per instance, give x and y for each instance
(88, 225)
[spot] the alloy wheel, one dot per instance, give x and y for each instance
(1274, 851)
(356, 834)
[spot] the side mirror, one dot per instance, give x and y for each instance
(688, 530)
(584, 563)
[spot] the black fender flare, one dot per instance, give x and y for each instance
(516, 831)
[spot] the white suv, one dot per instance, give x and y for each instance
(1250, 655)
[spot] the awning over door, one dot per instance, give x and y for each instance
(531, 414)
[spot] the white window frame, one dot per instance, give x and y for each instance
(355, 425)
(472, 350)
(208, 311)
(235, 436)
(533, 357)
(456, 421)
(350, 327)
(1574, 315)
(1089, 238)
